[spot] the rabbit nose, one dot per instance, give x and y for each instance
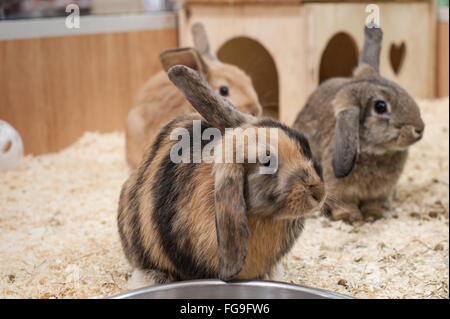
(317, 191)
(418, 133)
(420, 127)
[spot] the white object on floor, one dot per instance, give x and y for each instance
(139, 279)
(11, 147)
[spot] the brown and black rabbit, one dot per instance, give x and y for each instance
(222, 219)
(160, 101)
(360, 129)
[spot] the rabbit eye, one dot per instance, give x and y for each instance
(380, 107)
(224, 91)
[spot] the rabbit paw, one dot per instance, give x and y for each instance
(348, 215)
(143, 278)
(372, 211)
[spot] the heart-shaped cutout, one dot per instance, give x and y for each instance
(397, 55)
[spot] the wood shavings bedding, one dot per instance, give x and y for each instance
(58, 235)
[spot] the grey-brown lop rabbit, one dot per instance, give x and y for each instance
(160, 101)
(360, 129)
(186, 220)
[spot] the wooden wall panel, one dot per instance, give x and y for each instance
(442, 63)
(54, 89)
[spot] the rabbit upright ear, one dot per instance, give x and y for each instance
(346, 134)
(217, 111)
(183, 56)
(231, 219)
(370, 53)
(201, 42)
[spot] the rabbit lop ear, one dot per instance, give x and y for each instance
(183, 56)
(231, 219)
(217, 111)
(346, 134)
(370, 53)
(201, 42)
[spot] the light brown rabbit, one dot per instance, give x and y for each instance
(360, 129)
(219, 219)
(160, 101)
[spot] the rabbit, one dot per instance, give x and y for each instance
(160, 101)
(216, 220)
(360, 129)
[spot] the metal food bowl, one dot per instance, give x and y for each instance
(216, 289)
